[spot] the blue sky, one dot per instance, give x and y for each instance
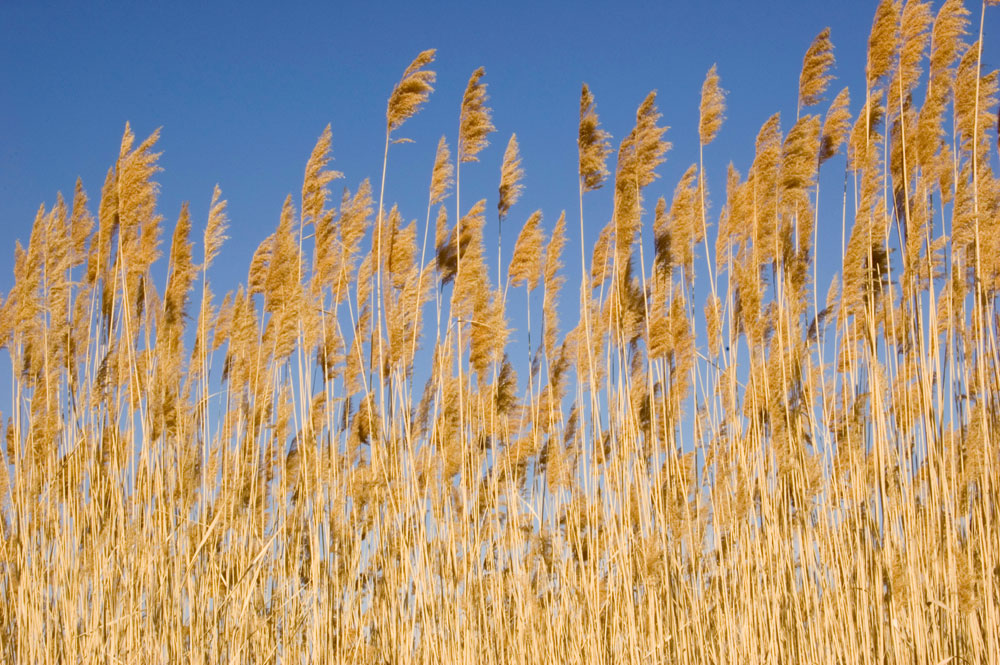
(242, 91)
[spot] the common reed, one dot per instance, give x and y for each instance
(325, 467)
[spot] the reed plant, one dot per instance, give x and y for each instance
(341, 461)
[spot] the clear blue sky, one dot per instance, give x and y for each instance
(242, 90)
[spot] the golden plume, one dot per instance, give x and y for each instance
(99, 256)
(465, 247)
(638, 156)
(411, 91)
(799, 161)
(729, 219)
(644, 148)
(441, 229)
(713, 105)
(474, 123)
(592, 144)
(355, 218)
(135, 187)
(914, 24)
(314, 191)
(601, 261)
(402, 248)
(815, 75)
(552, 284)
(866, 126)
(836, 125)
(526, 264)
(947, 43)
(180, 277)
(443, 173)
(683, 226)
(510, 178)
(975, 99)
(81, 224)
(883, 40)
(661, 241)
(215, 230)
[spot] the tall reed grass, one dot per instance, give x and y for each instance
(770, 469)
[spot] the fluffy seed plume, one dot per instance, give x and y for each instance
(593, 144)
(475, 123)
(947, 38)
(411, 91)
(836, 126)
(443, 174)
(638, 156)
(136, 189)
(553, 252)
(510, 178)
(526, 263)
(866, 125)
(317, 177)
(181, 272)
(215, 230)
(601, 260)
(81, 222)
(713, 105)
(883, 40)
(552, 285)
(644, 148)
(815, 75)
(441, 229)
(915, 23)
(683, 226)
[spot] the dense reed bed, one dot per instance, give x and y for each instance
(341, 461)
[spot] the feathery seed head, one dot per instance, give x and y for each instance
(836, 126)
(510, 178)
(442, 175)
(915, 21)
(475, 123)
(815, 75)
(592, 144)
(411, 91)
(947, 39)
(713, 105)
(883, 40)
(182, 271)
(81, 223)
(526, 262)
(317, 177)
(215, 230)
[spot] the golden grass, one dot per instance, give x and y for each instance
(752, 475)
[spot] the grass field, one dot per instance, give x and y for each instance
(340, 460)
